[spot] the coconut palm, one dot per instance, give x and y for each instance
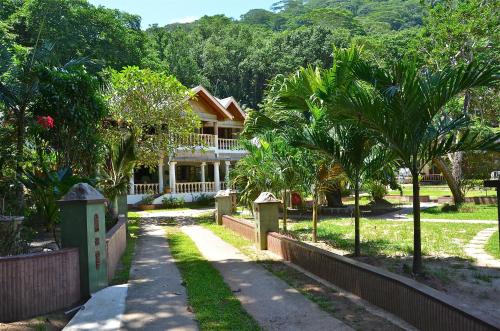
(404, 106)
(115, 172)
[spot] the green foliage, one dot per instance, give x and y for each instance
(46, 188)
(377, 190)
(79, 29)
(147, 200)
(152, 106)
(72, 97)
(173, 202)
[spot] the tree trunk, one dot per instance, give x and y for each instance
(114, 208)
(417, 245)
(285, 210)
(315, 218)
(357, 241)
(21, 118)
(334, 198)
(453, 184)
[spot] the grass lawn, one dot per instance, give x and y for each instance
(466, 212)
(122, 274)
(215, 306)
(436, 191)
(391, 238)
(492, 246)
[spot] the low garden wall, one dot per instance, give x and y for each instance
(116, 243)
(418, 304)
(242, 227)
(36, 284)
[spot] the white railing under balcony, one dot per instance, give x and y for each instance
(196, 139)
(228, 144)
(195, 187)
(146, 188)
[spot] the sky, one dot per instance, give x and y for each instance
(182, 11)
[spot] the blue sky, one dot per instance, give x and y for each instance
(170, 11)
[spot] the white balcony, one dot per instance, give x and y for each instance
(209, 142)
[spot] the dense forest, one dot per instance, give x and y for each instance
(239, 57)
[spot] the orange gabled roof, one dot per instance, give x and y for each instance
(205, 96)
(232, 105)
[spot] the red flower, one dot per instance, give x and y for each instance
(46, 122)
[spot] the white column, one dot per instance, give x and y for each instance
(161, 186)
(172, 176)
(216, 133)
(226, 179)
(203, 186)
(217, 176)
(132, 183)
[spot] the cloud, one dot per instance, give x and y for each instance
(187, 19)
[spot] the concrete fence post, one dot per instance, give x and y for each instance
(83, 227)
(223, 205)
(266, 218)
(234, 200)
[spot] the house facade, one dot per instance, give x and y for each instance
(201, 165)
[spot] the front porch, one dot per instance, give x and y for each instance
(187, 180)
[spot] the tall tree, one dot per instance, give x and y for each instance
(405, 106)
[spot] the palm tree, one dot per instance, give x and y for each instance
(118, 165)
(404, 105)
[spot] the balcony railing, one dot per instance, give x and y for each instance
(146, 189)
(229, 144)
(193, 187)
(208, 141)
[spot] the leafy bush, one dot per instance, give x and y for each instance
(171, 202)
(147, 200)
(377, 190)
(15, 239)
(203, 200)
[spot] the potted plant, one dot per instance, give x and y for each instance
(147, 203)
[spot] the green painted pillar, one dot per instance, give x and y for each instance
(83, 226)
(223, 205)
(266, 218)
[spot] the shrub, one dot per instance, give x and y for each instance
(377, 190)
(203, 200)
(147, 200)
(171, 202)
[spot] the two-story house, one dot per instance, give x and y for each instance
(201, 165)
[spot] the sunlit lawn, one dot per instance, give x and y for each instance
(466, 212)
(392, 238)
(436, 191)
(492, 246)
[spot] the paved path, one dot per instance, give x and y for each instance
(475, 249)
(271, 302)
(103, 311)
(156, 299)
(176, 213)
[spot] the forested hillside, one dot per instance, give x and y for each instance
(238, 57)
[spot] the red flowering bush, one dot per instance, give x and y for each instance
(46, 122)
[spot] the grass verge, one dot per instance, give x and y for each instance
(123, 272)
(215, 306)
(467, 211)
(391, 238)
(492, 246)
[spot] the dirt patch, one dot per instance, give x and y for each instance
(51, 322)
(473, 286)
(329, 299)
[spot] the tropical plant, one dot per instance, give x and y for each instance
(46, 188)
(154, 107)
(403, 106)
(116, 170)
